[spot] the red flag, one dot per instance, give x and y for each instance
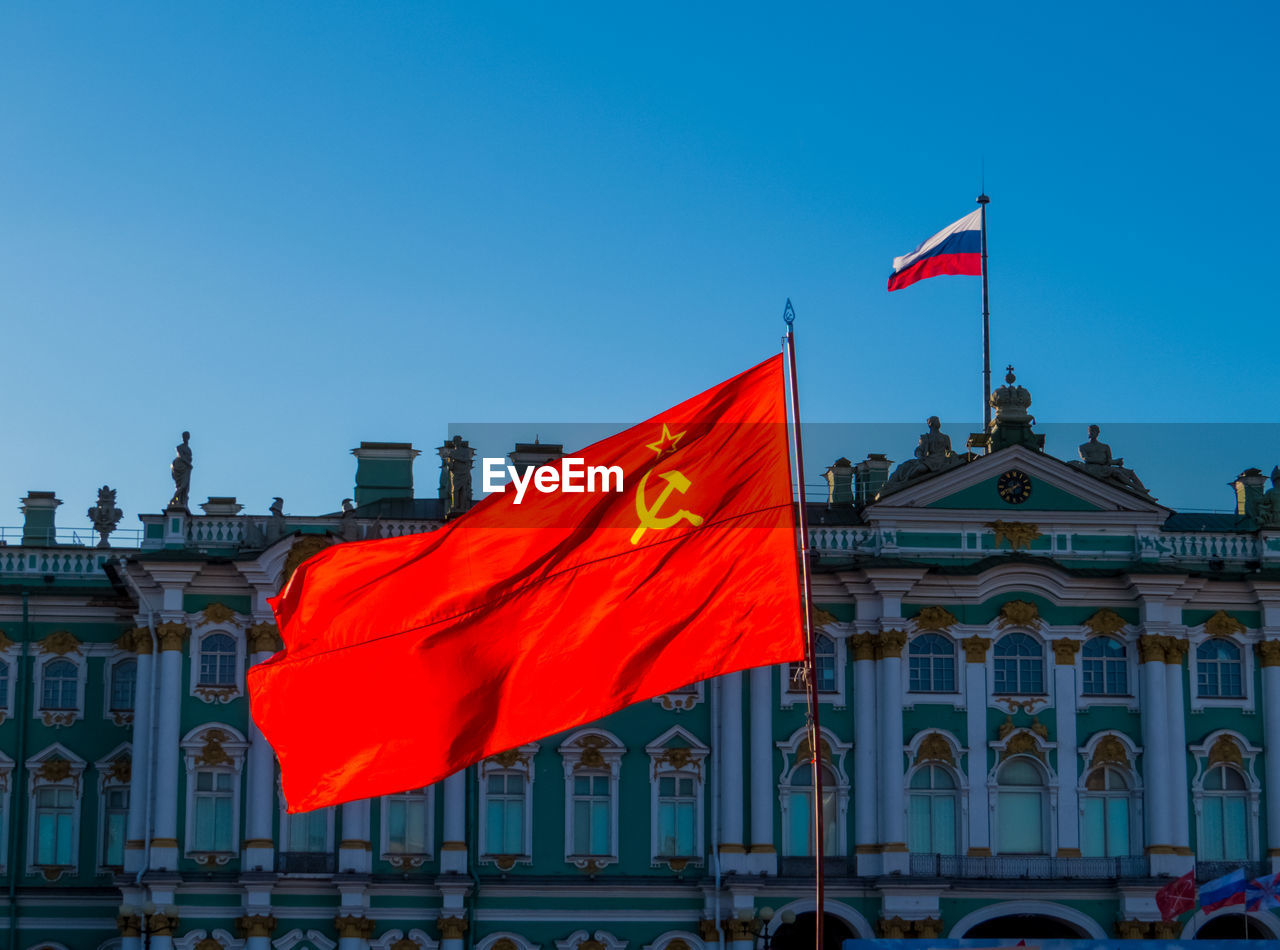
(1177, 897)
(410, 658)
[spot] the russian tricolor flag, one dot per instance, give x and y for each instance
(953, 250)
(1224, 891)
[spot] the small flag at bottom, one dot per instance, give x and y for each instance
(1223, 891)
(1261, 894)
(1177, 897)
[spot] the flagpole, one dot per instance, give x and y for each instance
(986, 323)
(815, 743)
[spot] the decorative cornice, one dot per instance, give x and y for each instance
(975, 649)
(1064, 651)
(890, 644)
(1222, 624)
(218, 613)
(1018, 533)
(1268, 652)
(935, 618)
(264, 638)
(172, 636)
(1019, 613)
(1105, 622)
(60, 642)
(1225, 749)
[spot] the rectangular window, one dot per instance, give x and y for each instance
(407, 824)
(504, 813)
(309, 832)
(677, 812)
(932, 824)
(55, 815)
(213, 811)
(124, 684)
(115, 819)
(933, 674)
(1021, 823)
(591, 815)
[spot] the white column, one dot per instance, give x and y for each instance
(893, 798)
(763, 856)
(1064, 696)
(1269, 651)
(453, 850)
(1179, 784)
(355, 852)
(259, 843)
(732, 852)
(975, 699)
(135, 840)
(865, 819)
(1155, 751)
(164, 842)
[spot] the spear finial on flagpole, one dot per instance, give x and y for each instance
(810, 670)
(983, 200)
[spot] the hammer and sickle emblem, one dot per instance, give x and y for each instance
(648, 514)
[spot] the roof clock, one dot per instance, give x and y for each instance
(1014, 486)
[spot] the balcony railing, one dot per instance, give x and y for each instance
(1028, 867)
(305, 862)
(1208, 870)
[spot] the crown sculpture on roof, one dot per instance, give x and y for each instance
(1012, 423)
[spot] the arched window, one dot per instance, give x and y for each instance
(217, 660)
(932, 660)
(824, 661)
(1019, 663)
(800, 813)
(1224, 828)
(931, 811)
(1020, 808)
(1219, 671)
(1106, 669)
(61, 685)
(1106, 804)
(124, 684)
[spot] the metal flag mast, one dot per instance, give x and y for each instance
(810, 673)
(983, 200)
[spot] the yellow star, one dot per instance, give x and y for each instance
(666, 442)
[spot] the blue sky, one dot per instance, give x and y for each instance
(289, 227)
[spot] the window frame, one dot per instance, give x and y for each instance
(1107, 662)
(121, 717)
(218, 748)
(791, 694)
(957, 793)
(956, 667)
(687, 760)
(62, 716)
(1206, 761)
(787, 788)
(216, 693)
(591, 752)
(1243, 643)
(1019, 659)
(1129, 795)
(44, 774)
(423, 797)
(519, 760)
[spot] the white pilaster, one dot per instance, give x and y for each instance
(135, 840)
(1064, 691)
(732, 851)
(355, 852)
(763, 856)
(1179, 784)
(259, 843)
(892, 774)
(975, 698)
(453, 850)
(1270, 650)
(1155, 753)
(865, 786)
(164, 842)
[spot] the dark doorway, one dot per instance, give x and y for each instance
(800, 935)
(1232, 927)
(1024, 925)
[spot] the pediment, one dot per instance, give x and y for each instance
(1055, 487)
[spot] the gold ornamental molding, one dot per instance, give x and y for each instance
(208, 943)
(1023, 743)
(256, 925)
(1268, 652)
(351, 926)
(264, 638)
(60, 642)
(129, 925)
(676, 944)
(592, 757)
(451, 928)
(54, 770)
(890, 644)
(736, 930)
(975, 649)
(120, 771)
(1019, 613)
(803, 754)
(1105, 622)
(935, 618)
(1109, 751)
(407, 943)
(5, 642)
(679, 758)
(213, 753)
(302, 549)
(1176, 650)
(1019, 534)
(935, 748)
(137, 640)
(707, 930)
(172, 636)
(864, 646)
(259, 843)
(1225, 750)
(506, 943)
(1151, 648)
(162, 925)
(1064, 651)
(1222, 624)
(218, 613)
(820, 618)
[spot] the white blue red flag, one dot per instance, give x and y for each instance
(1261, 894)
(1223, 891)
(956, 249)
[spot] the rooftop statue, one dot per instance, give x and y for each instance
(276, 528)
(105, 515)
(455, 475)
(933, 455)
(1096, 460)
(180, 469)
(1269, 504)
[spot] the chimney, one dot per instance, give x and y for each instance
(532, 454)
(871, 475)
(384, 470)
(840, 482)
(37, 510)
(1249, 486)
